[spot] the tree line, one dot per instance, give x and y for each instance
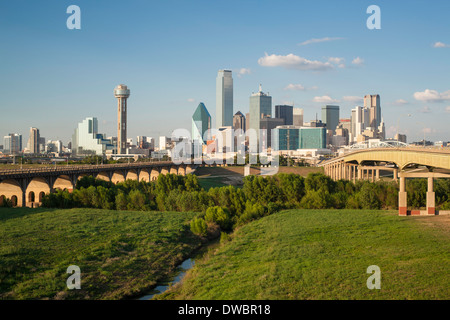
(224, 208)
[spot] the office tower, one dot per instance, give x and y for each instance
(239, 121)
(54, 146)
(297, 117)
(330, 116)
(313, 138)
(400, 137)
(288, 137)
(260, 106)
(86, 139)
(224, 99)
(268, 124)
(201, 124)
(286, 113)
(12, 143)
(165, 143)
(382, 130)
(372, 103)
(34, 141)
(121, 92)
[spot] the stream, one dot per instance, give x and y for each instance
(179, 273)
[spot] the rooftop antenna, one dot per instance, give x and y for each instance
(260, 90)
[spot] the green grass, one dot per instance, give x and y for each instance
(120, 253)
(213, 182)
(324, 254)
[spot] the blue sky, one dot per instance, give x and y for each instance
(169, 52)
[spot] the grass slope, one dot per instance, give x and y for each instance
(119, 253)
(324, 254)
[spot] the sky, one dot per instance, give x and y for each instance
(309, 53)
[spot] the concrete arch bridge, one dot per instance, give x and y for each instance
(25, 188)
(402, 162)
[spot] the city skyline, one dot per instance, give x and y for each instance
(338, 62)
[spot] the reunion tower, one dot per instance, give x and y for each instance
(121, 92)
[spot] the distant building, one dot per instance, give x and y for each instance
(400, 137)
(330, 116)
(285, 112)
(293, 138)
(201, 124)
(34, 141)
(313, 138)
(297, 117)
(288, 137)
(260, 106)
(239, 121)
(224, 99)
(165, 143)
(12, 143)
(372, 103)
(145, 143)
(268, 124)
(87, 140)
(54, 146)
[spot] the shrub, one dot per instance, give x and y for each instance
(219, 215)
(199, 227)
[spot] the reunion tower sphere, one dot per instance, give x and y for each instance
(121, 91)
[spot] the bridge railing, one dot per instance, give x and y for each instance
(66, 168)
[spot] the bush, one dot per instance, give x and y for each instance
(199, 227)
(219, 215)
(368, 197)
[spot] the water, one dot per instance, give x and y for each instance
(164, 285)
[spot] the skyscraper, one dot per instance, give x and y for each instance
(260, 106)
(372, 102)
(121, 92)
(12, 143)
(239, 121)
(34, 141)
(285, 112)
(224, 99)
(297, 117)
(201, 123)
(330, 116)
(87, 140)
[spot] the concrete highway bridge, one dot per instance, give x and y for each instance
(26, 187)
(403, 162)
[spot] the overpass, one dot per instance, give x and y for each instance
(403, 162)
(26, 187)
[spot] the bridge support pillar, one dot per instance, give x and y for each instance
(377, 174)
(402, 198)
(431, 205)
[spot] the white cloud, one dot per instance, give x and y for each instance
(358, 61)
(353, 99)
(297, 87)
(432, 96)
(441, 45)
(326, 39)
(291, 61)
(325, 99)
(401, 102)
(337, 61)
(243, 71)
(191, 100)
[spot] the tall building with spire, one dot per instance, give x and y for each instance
(224, 99)
(121, 92)
(260, 107)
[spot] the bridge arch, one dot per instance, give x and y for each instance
(154, 174)
(144, 175)
(117, 176)
(36, 186)
(104, 176)
(11, 188)
(132, 175)
(173, 170)
(63, 182)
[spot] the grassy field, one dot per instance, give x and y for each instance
(324, 254)
(119, 253)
